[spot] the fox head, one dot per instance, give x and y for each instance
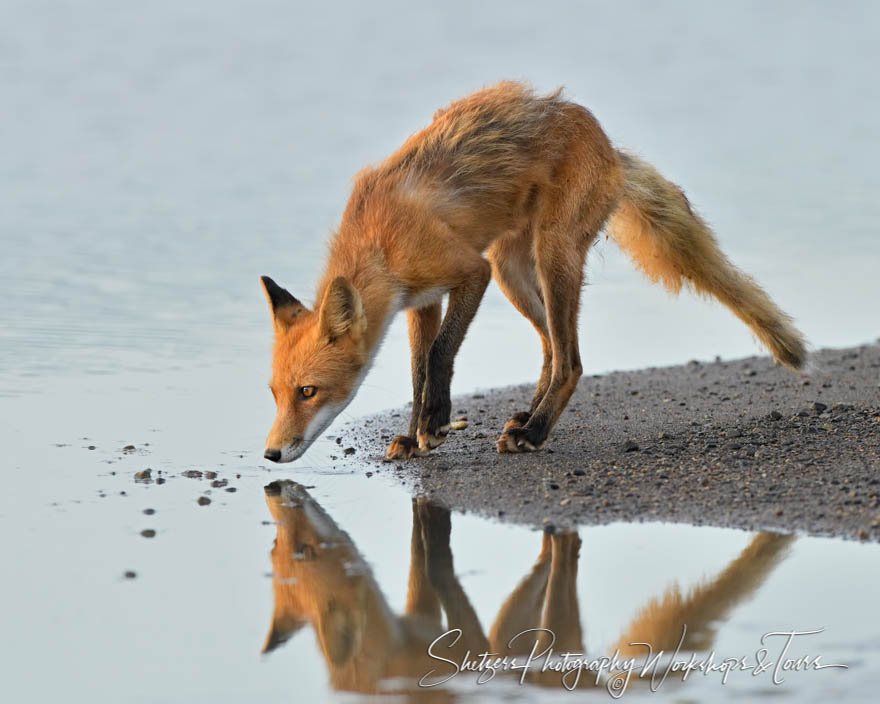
(317, 363)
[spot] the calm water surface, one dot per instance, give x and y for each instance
(155, 159)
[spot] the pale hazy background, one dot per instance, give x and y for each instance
(156, 158)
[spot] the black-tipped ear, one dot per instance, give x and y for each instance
(341, 310)
(282, 629)
(285, 308)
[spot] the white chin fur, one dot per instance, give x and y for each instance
(293, 452)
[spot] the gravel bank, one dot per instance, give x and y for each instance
(737, 444)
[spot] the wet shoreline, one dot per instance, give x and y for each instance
(737, 444)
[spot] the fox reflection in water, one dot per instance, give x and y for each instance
(321, 579)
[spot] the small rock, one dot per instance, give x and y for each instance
(149, 511)
(348, 451)
(630, 446)
(458, 424)
(203, 501)
(129, 448)
(775, 415)
(210, 475)
(192, 474)
(818, 407)
(130, 574)
(579, 472)
(231, 489)
(148, 533)
(219, 483)
(144, 476)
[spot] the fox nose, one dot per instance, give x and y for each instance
(273, 455)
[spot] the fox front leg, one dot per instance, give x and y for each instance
(464, 299)
(423, 325)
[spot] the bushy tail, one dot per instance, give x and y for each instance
(654, 223)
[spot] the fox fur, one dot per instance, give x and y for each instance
(503, 183)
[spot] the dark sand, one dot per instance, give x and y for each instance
(738, 444)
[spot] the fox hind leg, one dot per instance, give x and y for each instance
(561, 284)
(560, 249)
(513, 267)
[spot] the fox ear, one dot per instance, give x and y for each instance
(282, 629)
(341, 310)
(285, 308)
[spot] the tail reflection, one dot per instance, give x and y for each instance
(321, 579)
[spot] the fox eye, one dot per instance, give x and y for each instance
(307, 392)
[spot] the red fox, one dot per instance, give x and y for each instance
(507, 184)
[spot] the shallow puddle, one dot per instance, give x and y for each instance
(316, 594)
(619, 610)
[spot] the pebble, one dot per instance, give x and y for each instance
(203, 501)
(148, 533)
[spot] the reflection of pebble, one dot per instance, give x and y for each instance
(203, 501)
(148, 533)
(130, 574)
